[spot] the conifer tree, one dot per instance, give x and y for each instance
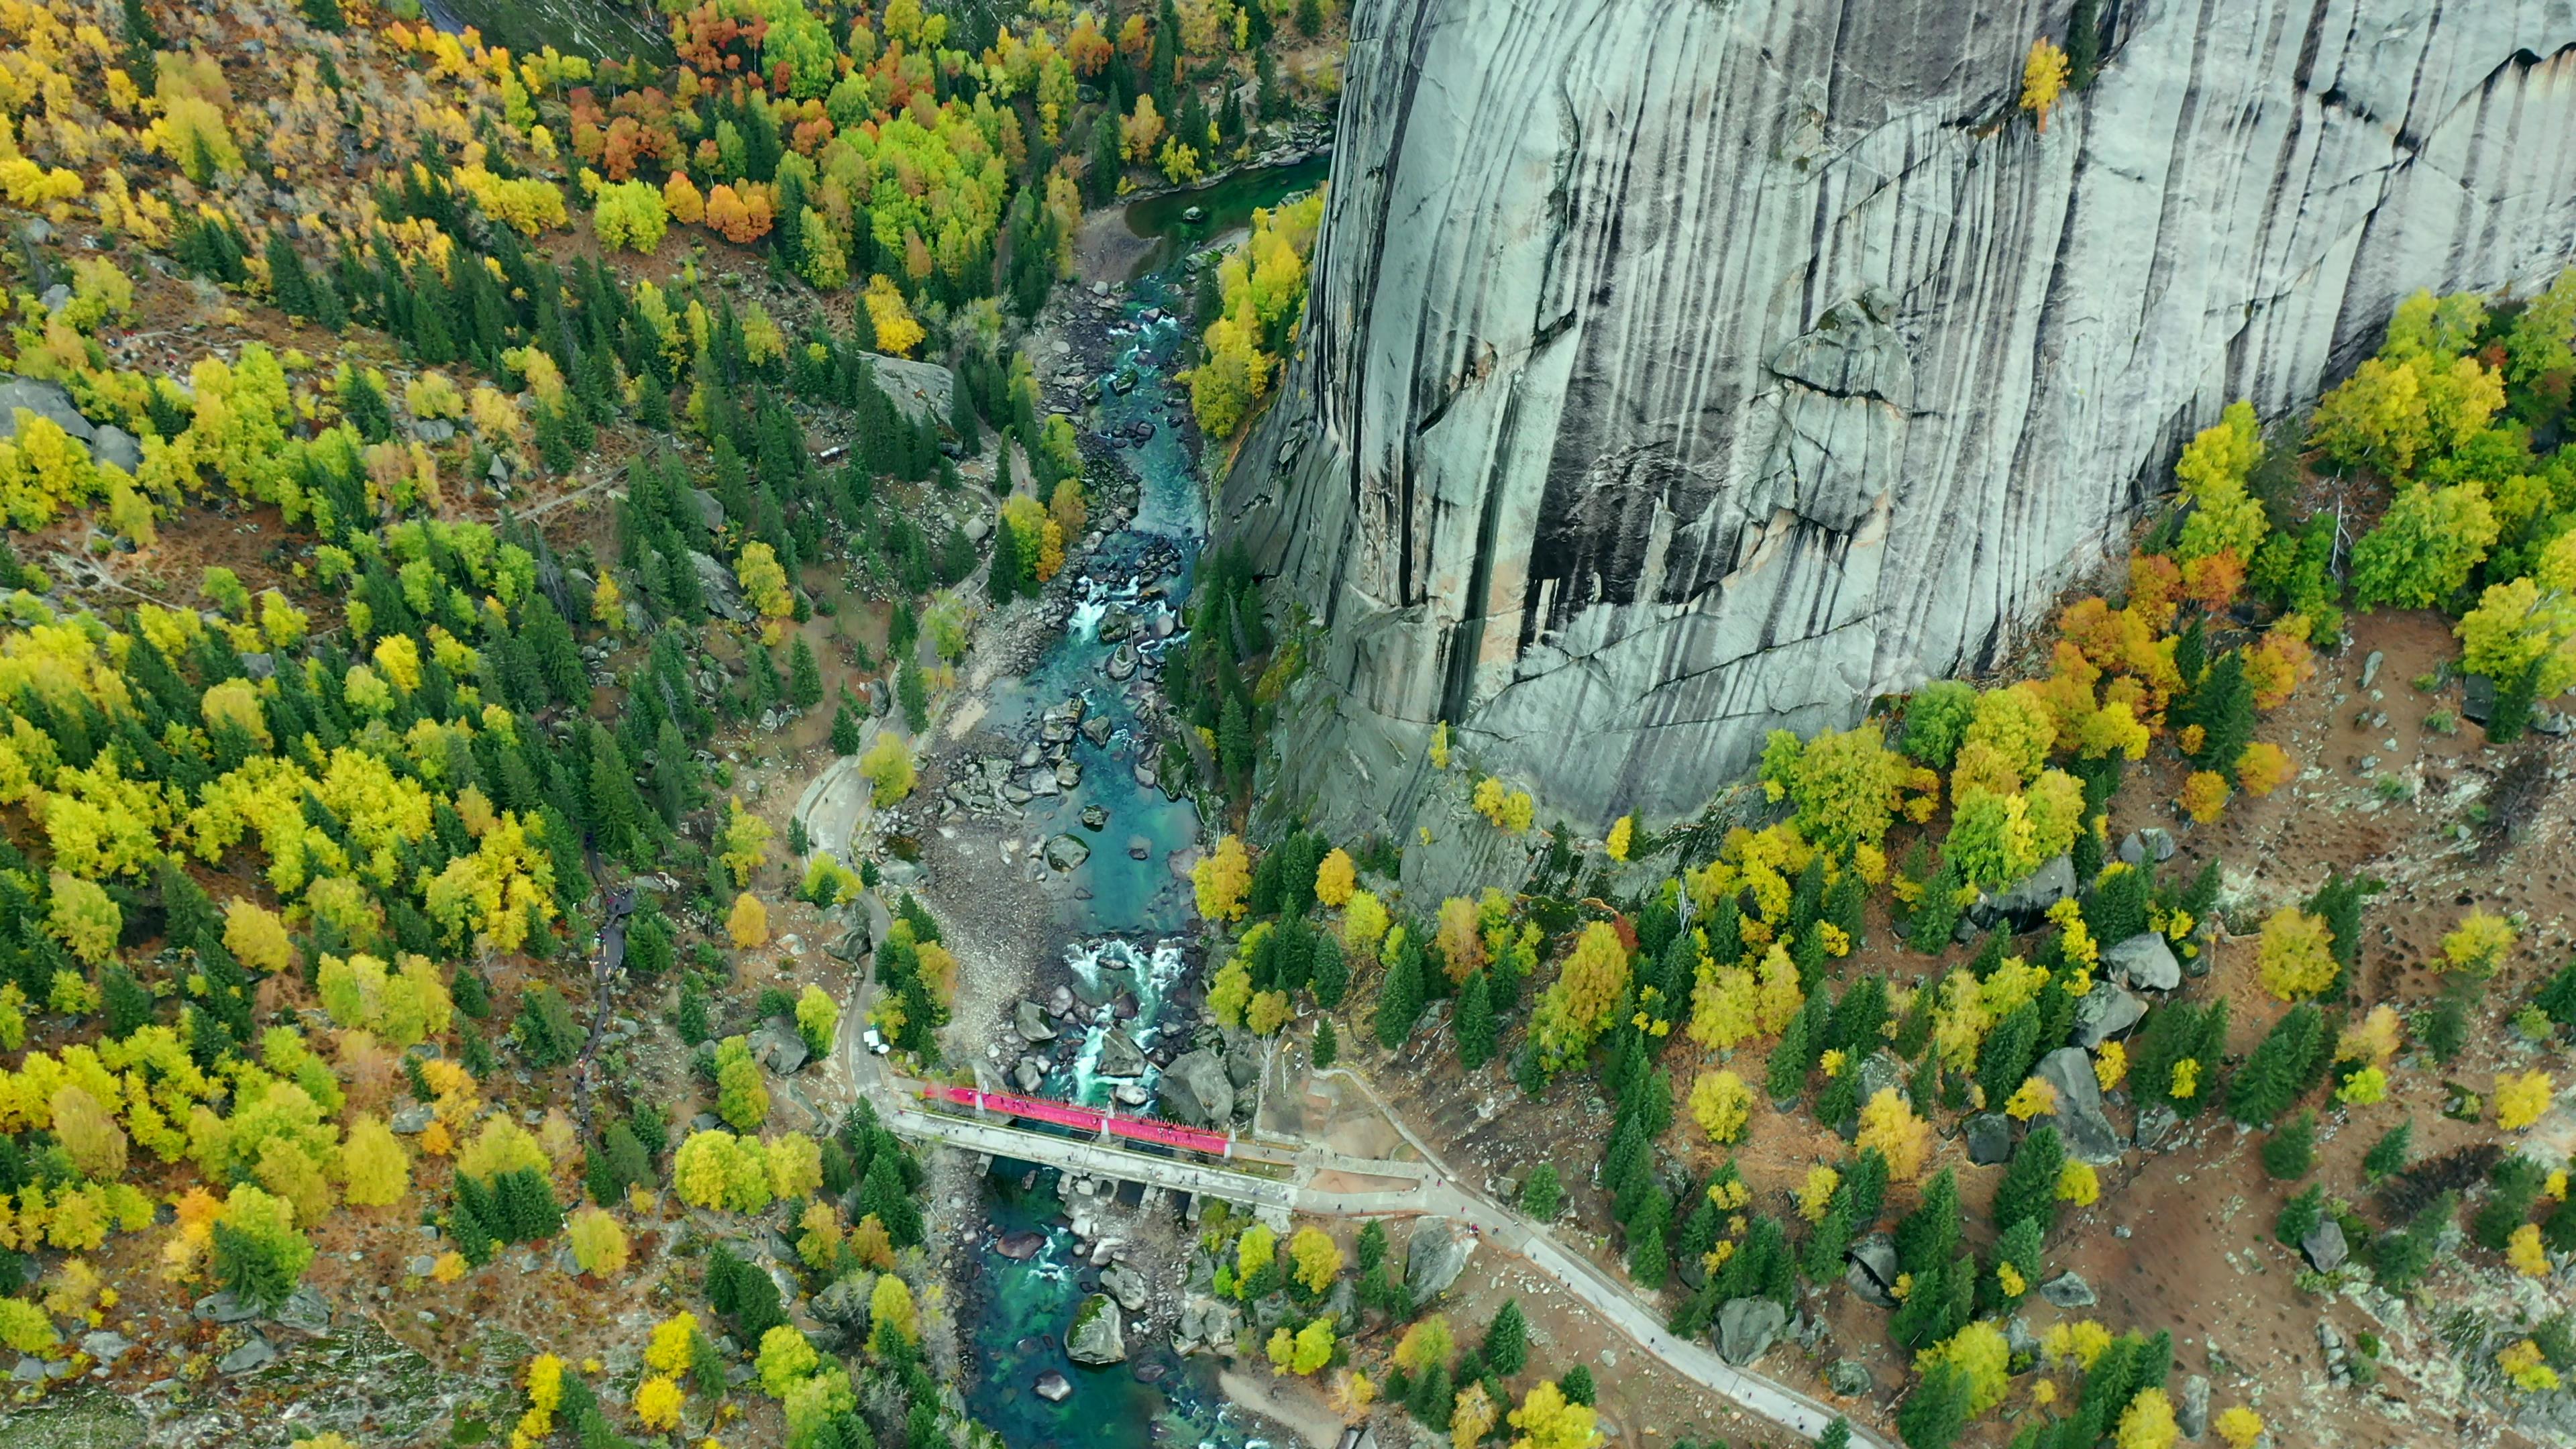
(1328, 1047)
(1540, 1194)
(363, 405)
(846, 731)
(2388, 1155)
(2300, 1215)
(1788, 1069)
(616, 812)
(465, 1225)
(287, 281)
(1648, 1263)
(913, 696)
(1475, 1023)
(804, 676)
(1936, 913)
(558, 658)
(1823, 1260)
(1937, 1410)
(1400, 997)
(2029, 1187)
(1927, 1236)
(2291, 1150)
(1430, 1401)
(2276, 1073)
(1507, 1339)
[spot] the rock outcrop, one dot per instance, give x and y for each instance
(1675, 372)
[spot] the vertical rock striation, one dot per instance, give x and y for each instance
(1679, 369)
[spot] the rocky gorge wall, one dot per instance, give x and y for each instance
(1679, 369)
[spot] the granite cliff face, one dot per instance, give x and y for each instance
(1679, 369)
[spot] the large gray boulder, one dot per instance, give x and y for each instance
(1873, 1271)
(2143, 963)
(1433, 1260)
(1747, 1327)
(117, 448)
(1029, 1020)
(2027, 900)
(1098, 1335)
(2191, 1406)
(717, 583)
(2069, 1290)
(1990, 1138)
(1196, 1091)
(1126, 1285)
(2105, 1012)
(1119, 1056)
(1849, 389)
(2324, 1246)
(48, 400)
(920, 390)
(2079, 1120)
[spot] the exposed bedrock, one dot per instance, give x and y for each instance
(1676, 371)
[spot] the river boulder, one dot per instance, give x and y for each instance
(1119, 1056)
(1126, 1285)
(1197, 1092)
(1099, 1333)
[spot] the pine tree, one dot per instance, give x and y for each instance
(1823, 1260)
(287, 280)
(1475, 1023)
(1399, 1002)
(1788, 1070)
(846, 731)
(1234, 740)
(1002, 576)
(805, 677)
(1507, 1339)
(128, 1006)
(2388, 1155)
(1576, 1384)
(466, 1228)
(616, 811)
(1540, 1193)
(558, 657)
(2223, 708)
(2272, 1078)
(2557, 999)
(1430, 1402)
(1937, 1410)
(1327, 1048)
(2300, 1215)
(2029, 1186)
(1936, 914)
(2291, 1151)
(1926, 1237)
(1648, 1264)
(913, 696)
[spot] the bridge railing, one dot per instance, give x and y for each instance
(1097, 1121)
